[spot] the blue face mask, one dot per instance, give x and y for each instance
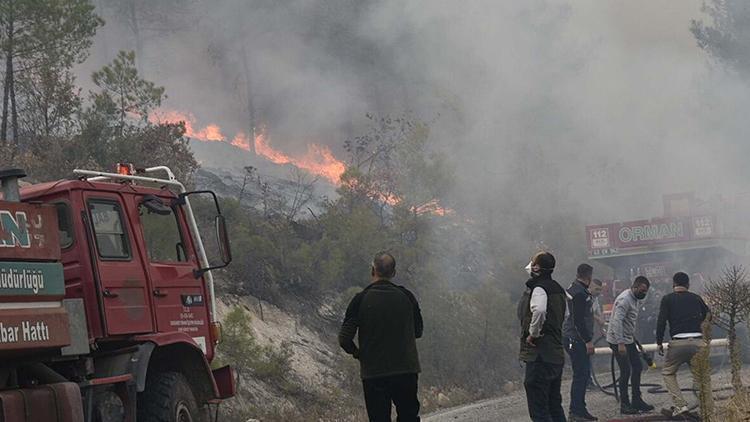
(528, 268)
(640, 295)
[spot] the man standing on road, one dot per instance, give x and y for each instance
(621, 338)
(578, 331)
(595, 288)
(541, 312)
(389, 321)
(600, 324)
(685, 313)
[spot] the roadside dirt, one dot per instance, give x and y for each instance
(512, 407)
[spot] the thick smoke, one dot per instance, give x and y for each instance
(585, 108)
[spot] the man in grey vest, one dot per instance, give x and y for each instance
(541, 312)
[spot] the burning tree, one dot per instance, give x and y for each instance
(729, 299)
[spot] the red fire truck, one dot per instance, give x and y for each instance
(107, 304)
(693, 236)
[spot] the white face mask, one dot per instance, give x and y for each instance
(528, 268)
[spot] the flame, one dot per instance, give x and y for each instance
(433, 207)
(210, 133)
(242, 141)
(319, 160)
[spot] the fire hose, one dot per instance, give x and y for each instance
(646, 352)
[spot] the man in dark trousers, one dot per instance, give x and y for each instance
(389, 321)
(685, 313)
(541, 312)
(578, 332)
(622, 341)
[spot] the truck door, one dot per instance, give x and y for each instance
(123, 284)
(179, 300)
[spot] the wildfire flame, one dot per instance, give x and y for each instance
(210, 133)
(433, 207)
(318, 160)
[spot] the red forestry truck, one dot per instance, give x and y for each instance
(107, 304)
(694, 236)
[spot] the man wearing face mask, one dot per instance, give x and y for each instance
(541, 312)
(621, 338)
(389, 321)
(578, 330)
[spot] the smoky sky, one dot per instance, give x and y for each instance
(584, 107)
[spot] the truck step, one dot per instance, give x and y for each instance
(117, 379)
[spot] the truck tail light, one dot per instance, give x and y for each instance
(216, 332)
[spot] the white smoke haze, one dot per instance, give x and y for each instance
(587, 108)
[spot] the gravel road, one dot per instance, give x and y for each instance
(512, 407)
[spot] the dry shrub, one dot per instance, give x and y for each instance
(736, 409)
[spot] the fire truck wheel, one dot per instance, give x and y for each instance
(168, 398)
(108, 407)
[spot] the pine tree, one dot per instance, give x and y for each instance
(41, 40)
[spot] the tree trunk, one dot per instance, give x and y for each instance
(242, 191)
(734, 355)
(121, 129)
(251, 119)
(13, 109)
(8, 74)
(6, 97)
(136, 34)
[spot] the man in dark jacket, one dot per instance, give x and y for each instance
(542, 311)
(389, 321)
(685, 312)
(578, 331)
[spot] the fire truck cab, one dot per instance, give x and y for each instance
(107, 300)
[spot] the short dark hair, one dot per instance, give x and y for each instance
(641, 281)
(597, 282)
(384, 264)
(585, 271)
(545, 261)
(681, 279)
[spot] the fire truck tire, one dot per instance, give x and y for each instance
(168, 398)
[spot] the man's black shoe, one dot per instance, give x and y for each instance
(641, 405)
(626, 409)
(583, 416)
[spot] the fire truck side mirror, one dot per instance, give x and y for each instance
(222, 248)
(221, 234)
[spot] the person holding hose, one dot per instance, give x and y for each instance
(685, 312)
(541, 311)
(621, 339)
(578, 330)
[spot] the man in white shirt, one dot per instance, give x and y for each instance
(541, 312)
